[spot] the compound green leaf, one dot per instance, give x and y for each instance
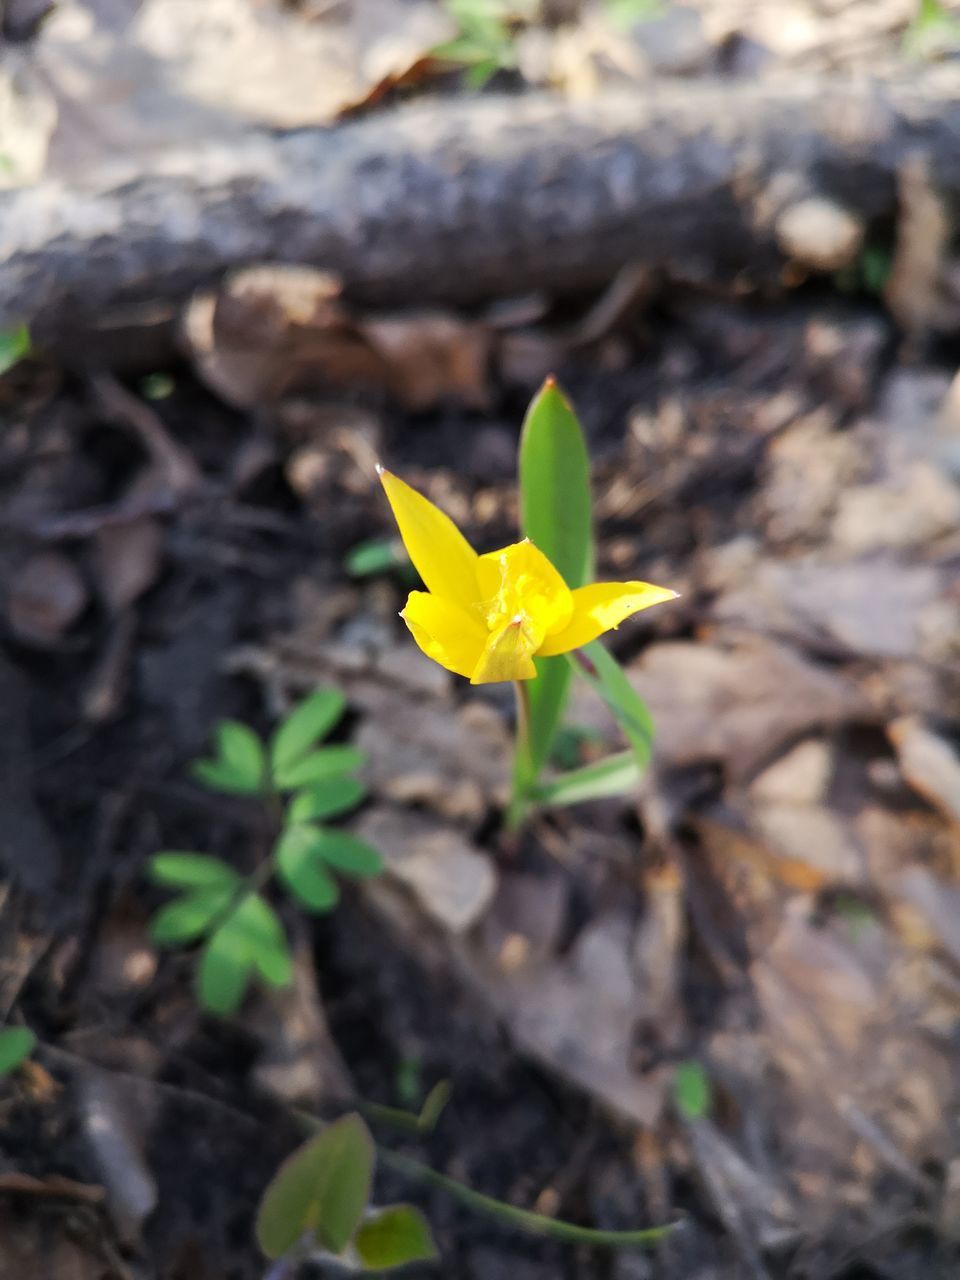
(190, 916)
(318, 766)
(320, 1191)
(393, 1237)
(348, 853)
(326, 799)
(16, 1045)
(192, 871)
(306, 725)
(300, 866)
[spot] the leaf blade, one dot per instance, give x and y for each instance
(612, 776)
(191, 871)
(318, 766)
(189, 916)
(307, 724)
(16, 1045)
(326, 800)
(393, 1237)
(322, 1188)
(301, 871)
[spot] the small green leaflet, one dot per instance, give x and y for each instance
(16, 1045)
(349, 854)
(317, 766)
(321, 1191)
(393, 1237)
(691, 1090)
(556, 516)
(14, 346)
(239, 766)
(326, 799)
(190, 916)
(613, 776)
(250, 939)
(192, 871)
(379, 555)
(301, 868)
(306, 725)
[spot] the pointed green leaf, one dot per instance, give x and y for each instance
(241, 749)
(16, 1045)
(192, 871)
(623, 700)
(301, 868)
(556, 516)
(348, 853)
(326, 799)
(190, 916)
(320, 1191)
(318, 766)
(306, 724)
(394, 1236)
(223, 973)
(613, 776)
(266, 939)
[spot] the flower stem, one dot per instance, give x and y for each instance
(523, 771)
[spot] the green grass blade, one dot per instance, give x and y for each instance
(610, 777)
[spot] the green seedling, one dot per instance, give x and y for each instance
(302, 787)
(16, 1045)
(15, 345)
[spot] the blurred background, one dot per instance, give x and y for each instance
(249, 248)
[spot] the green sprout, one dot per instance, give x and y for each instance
(15, 346)
(16, 1045)
(933, 32)
(302, 786)
(484, 43)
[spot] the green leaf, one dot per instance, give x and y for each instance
(301, 868)
(251, 938)
(613, 776)
(620, 696)
(305, 725)
(378, 555)
(16, 1045)
(348, 853)
(326, 800)
(192, 871)
(691, 1090)
(394, 1236)
(14, 346)
(320, 1191)
(328, 762)
(239, 767)
(934, 31)
(190, 916)
(556, 516)
(224, 971)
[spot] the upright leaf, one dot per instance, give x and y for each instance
(556, 516)
(305, 725)
(16, 1045)
(393, 1237)
(320, 1191)
(241, 749)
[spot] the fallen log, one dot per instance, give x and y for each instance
(461, 200)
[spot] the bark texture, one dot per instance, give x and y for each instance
(467, 199)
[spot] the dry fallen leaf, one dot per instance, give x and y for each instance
(47, 595)
(929, 763)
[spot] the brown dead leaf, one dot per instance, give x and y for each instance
(47, 595)
(127, 559)
(737, 705)
(451, 879)
(929, 763)
(432, 357)
(913, 289)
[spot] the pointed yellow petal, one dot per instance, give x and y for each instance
(441, 554)
(601, 607)
(519, 579)
(508, 655)
(445, 632)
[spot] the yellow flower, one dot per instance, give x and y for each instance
(487, 617)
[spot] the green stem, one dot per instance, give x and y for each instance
(533, 1223)
(523, 770)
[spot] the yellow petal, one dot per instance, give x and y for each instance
(508, 655)
(441, 554)
(520, 580)
(445, 632)
(601, 607)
